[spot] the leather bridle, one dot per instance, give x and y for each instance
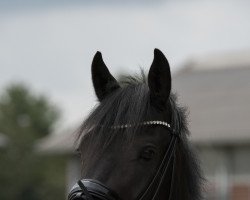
(88, 189)
(164, 166)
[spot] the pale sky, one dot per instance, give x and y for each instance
(51, 48)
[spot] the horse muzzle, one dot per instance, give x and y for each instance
(89, 189)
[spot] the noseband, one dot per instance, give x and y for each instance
(88, 189)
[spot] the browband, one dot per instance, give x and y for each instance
(141, 124)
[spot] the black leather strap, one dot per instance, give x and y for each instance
(85, 191)
(89, 189)
(164, 166)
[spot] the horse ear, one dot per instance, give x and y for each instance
(104, 83)
(159, 80)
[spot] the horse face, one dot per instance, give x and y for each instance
(127, 169)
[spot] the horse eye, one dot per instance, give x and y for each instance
(147, 154)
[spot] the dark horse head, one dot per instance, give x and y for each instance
(134, 144)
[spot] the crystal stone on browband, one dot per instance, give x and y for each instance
(142, 124)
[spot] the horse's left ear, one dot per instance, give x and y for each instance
(159, 80)
(104, 83)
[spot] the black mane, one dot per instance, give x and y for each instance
(130, 104)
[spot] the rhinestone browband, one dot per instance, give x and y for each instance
(141, 124)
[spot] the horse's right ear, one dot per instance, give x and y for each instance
(104, 83)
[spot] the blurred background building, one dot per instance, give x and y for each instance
(214, 88)
(48, 46)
